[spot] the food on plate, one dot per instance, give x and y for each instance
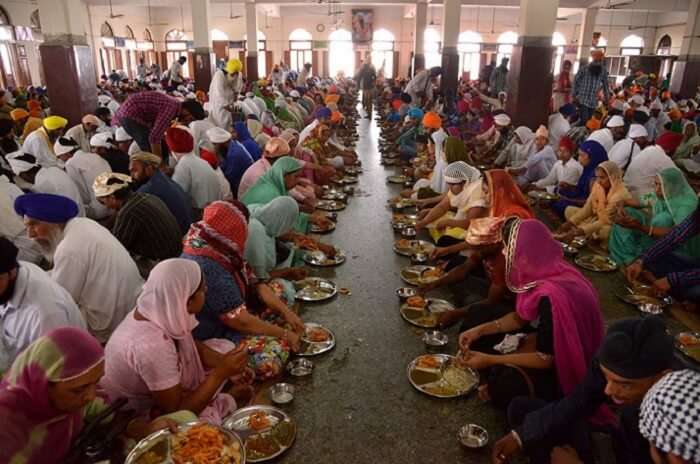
(404, 243)
(416, 302)
(460, 379)
(204, 444)
(429, 362)
(307, 244)
(259, 421)
(261, 446)
(317, 334)
(428, 320)
(689, 340)
(434, 273)
(156, 454)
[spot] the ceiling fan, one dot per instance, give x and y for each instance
(150, 21)
(612, 6)
(231, 15)
(111, 13)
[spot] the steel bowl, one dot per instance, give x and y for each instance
(435, 338)
(406, 292)
(408, 184)
(409, 232)
(473, 436)
(282, 393)
(300, 367)
(419, 258)
(651, 308)
(349, 190)
(332, 216)
(399, 226)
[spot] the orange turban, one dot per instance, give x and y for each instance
(18, 114)
(593, 124)
(336, 116)
(675, 114)
(332, 98)
(396, 104)
(431, 120)
(34, 108)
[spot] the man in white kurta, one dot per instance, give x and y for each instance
(88, 261)
(624, 150)
(223, 91)
(567, 172)
(83, 168)
(82, 132)
(39, 143)
(32, 305)
(11, 225)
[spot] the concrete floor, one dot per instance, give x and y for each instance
(358, 405)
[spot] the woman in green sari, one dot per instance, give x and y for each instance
(644, 221)
(690, 142)
(276, 182)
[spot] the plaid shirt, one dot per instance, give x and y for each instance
(587, 86)
(680, 234)
(151, 109)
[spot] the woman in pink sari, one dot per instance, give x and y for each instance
(153, 359)
(553, 299)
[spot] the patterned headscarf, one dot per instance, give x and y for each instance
(221, 235)
(670, 415)
(40, 433)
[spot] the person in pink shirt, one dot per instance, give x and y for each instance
(153, 361)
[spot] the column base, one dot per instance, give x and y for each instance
(69, 71)
(450, 74)
(204, 64)
(251, 66)
(530, 81)
(418, 63)
(684, 76)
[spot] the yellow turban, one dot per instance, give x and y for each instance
(333, 98)
(233, 66)
(55, 122)
(18, 114)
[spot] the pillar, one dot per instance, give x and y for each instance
(66, 59)
(686, 70)
(251, 30)
(530, 75)
(451, 10)
(420, 22)
(204, 60)
(585, 35)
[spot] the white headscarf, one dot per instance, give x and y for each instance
(437, 183)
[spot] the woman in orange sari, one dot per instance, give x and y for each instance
(483, 249)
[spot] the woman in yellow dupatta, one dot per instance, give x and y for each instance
(595, 218)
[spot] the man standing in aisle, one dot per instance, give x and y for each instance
(499, 78)
(175, 71)
(590, 80)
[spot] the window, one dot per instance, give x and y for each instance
(4, 17)
(383, 51)
(469, 48)
(432, 48)
(262, 46)
(341, 55)
(217, 34)
(106, 30)
(664, 47)
(299, 49)
(175, 47)
(129, 33)
(35, 21)
(558, 41)
(505, 45)
(631, 45)
(147, 36)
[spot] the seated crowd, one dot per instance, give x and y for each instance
(147, 254)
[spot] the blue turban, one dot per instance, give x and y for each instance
(46, 207)
(415, 113)
(323, 112)
(567, 109)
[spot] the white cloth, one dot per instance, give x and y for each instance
(199, 133)
(38, 305)
(306, 132)
(252, 104)
(661, 120)
(560, 172)
(99, 274)
(603, 137)
(198, 180)
(640, 174)
(418, 85)
(83, 168)
(56, 181)
(225, 185)
(623, 152)
(37, 144)
(78, 134)
(471, 196)
(652, 129)
(221, 94)
(302, 77)
(558, 127)
(175, 72)
(538, 166)
(12, 225)
(260, 103)
(437, 180)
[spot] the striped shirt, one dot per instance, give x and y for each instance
(152, 109)
(680, 234)
(587, 85)
(146, 227)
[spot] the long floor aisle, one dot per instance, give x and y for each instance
(358, 406)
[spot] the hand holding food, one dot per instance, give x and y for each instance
(504, 449)
(295, 321)
(478, 361)
(234, 361)
(293, 340)
(468, 337)
(633, 271)
(661, 287)
(297, 273)
(328, 250)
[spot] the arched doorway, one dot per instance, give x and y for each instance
(175, 47)
(299, 49)
(431, 47)
(110, 58)
(341, 56)
(631, 45)
(505, 45)
(383, 51)
(469, 48)
(262, 50)
(558, 42)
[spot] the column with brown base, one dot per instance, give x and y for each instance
(67, 60)
(450, 58)
(251, 29)
(420, 18)
(685, 76)
(204, 60)
(530, 74)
